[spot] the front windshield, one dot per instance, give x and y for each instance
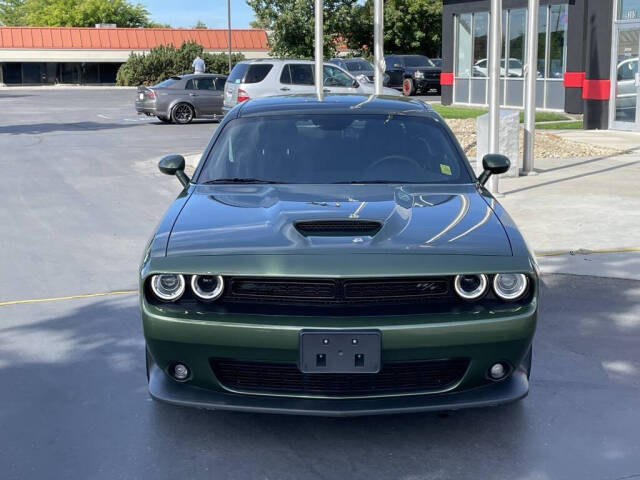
(417, 61)
(359, 65)
(341, 148)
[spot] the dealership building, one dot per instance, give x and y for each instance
(588, 54)
(55, 55)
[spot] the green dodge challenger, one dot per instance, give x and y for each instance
(337, 257)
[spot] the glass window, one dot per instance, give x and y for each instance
(297, 74)
(517, 29)
(219, 83)
(480, 37)
(464, 55)
(417, 61)
(238, 72)
(334, 77)
(249, 73)
(542, 40)
(393, 61)
(302, 149)
(12, 73)
(257, 72)
(357, 65)
(558, 21)
(628, 9)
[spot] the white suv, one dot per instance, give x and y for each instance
(272, 76)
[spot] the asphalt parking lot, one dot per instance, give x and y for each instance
(81, 195)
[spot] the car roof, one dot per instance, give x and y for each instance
(335, 104)
(280, 60)
(193, 75)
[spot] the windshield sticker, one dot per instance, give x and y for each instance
(445, 169)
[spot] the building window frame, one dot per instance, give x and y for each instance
(506, 82)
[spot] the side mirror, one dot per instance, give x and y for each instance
(355, 84)
(493, 164)
(174, 165)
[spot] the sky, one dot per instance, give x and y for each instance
(186, 13)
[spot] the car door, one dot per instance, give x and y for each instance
(203, 95)
(218, 97)
(395, 70)
(296, 78)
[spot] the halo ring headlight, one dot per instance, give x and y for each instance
(471, 287)
(207, 287)
(168, 286)
(510, 286)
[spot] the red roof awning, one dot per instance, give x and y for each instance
(128, 38)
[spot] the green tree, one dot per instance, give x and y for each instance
(291, 24)
(165, 61)
(410, 26)
(73, 13)
(12, 12)
(200, 24)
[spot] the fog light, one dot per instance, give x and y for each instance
(180, 371)
(497, 371)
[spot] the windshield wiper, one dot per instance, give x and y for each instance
(237, 180)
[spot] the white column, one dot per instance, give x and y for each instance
(319, 50)
(495, 52)
(378, 46)
(531, 75)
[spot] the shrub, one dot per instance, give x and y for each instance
(166, 60)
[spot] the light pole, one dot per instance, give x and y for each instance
(319, 49)
(229, 31)
(378, 45)
(531, 75)
(494, 83)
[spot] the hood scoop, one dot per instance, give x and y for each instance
(338, 228)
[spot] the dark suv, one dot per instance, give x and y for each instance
(412, 73)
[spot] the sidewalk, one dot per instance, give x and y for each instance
(580, 204)
(628, 142)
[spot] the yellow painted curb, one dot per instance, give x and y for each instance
(68, 297)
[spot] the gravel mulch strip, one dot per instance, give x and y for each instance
(548, 145)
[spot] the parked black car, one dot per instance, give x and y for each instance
(412, 74)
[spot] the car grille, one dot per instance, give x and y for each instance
(284, 378)
(335, 291)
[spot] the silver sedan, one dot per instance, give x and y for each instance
(182, 98)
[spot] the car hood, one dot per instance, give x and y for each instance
(261, 219)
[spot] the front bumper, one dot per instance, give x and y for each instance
(163, 389)
(196, 339)
(427, 83)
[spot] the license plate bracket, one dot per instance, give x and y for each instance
(330, 351)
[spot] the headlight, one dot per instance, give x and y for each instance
(418, 74)
(470, 287)
(168, 286)
(207, 287)
(362, 78)
(510, 286)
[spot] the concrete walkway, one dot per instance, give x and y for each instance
(581, 205)
(624, 141)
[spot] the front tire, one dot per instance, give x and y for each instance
(408, 87)
(182, 113)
